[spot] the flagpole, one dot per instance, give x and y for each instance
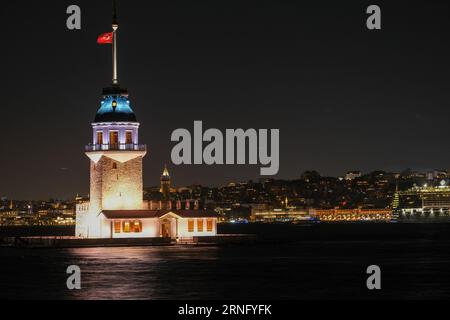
(115, 26)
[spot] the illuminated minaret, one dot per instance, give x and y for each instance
(165, 184)
(115, 154)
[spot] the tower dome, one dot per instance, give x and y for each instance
(115, 107)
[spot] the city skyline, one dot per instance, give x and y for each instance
(221, 184)
(415, 177)
(185, 63)
(376, 196)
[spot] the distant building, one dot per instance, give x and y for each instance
(165, 184)
(335, 215)
(352, 175)
(9, 214)
(265, 213)
(423, 202)
(437, 174)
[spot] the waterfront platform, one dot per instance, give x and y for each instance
(74, 242)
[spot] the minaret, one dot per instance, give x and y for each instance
(165, 184)
(115, 154)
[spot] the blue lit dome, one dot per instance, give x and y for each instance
(115, 109)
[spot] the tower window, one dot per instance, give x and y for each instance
(114, 165)
(114, 139)
(129, 137)
(99, 137)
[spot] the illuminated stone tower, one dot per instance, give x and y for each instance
(115, 154)
(165, 184)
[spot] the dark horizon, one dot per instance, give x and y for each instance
(344, 98)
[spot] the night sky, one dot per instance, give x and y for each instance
(344, 98)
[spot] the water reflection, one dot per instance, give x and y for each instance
(326, 264)
(140, 273)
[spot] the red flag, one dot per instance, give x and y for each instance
(105, 38)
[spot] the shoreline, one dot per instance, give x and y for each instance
(73, 242)
(237, 234)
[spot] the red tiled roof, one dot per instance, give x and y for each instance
(147, 214)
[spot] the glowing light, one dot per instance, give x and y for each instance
(112, 104)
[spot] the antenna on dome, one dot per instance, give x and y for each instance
(115, 27)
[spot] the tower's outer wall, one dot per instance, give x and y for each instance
(116, 185)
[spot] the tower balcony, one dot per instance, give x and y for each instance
(115, 147)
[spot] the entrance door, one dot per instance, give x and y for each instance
(166, 229)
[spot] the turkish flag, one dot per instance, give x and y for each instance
(105, 38)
